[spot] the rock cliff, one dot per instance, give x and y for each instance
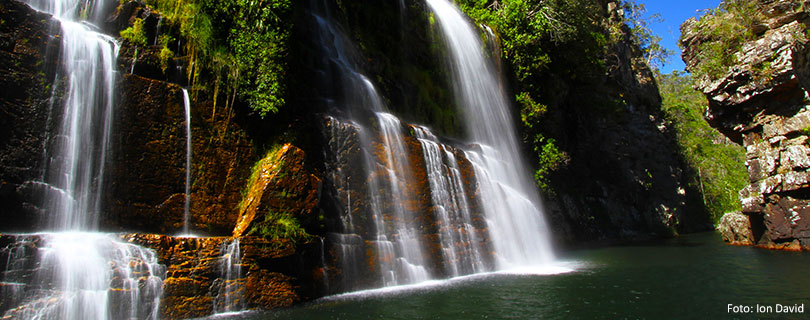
(28, 64)
(760, 101)
(623, 178)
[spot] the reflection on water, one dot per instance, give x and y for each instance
(695, 276)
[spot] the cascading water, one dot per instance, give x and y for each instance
(496, 224)
(187, 205)
(461, 248)
(82, 276)
(229, 298)
(78, 152)
(395, 240)
(510, 199)
(74, 273)
(409, 264)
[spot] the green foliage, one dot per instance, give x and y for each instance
(242, 43)
(549, 156)
(550, 159)
(726, 28)
(276, 225)
(528, 27)
(135, 33)
(255, 171)
(257, 45)
(718, 167)
(544, 42)
(654, 53)
(280, 225)
(165, 54)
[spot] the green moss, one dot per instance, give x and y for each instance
(276, 224)
(166, 54)
(135, 33)
(256, 171)
(279, 225)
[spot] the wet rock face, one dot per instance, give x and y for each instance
(352, 258)
(193, 284)
(767, 114)
(144, 60)
(270, 273)
(147, 189)
(28, 64)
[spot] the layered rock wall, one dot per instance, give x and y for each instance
(761, 102)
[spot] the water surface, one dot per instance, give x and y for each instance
(691, 277)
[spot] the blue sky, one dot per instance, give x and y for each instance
(674, 13)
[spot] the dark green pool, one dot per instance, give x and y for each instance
(692, 277)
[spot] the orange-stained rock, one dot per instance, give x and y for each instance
(281, 184)
(146, 191)
(268, 290)
(271, 273)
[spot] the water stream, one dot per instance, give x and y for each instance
(461, 232)
(509, 196)
(187, 204)
(74, 272)
(232, 288)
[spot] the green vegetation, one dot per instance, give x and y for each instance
(727, 27)
(255, 171)
(280, 225)
(556, 46)
(718, 163)
(653, 52)
(135, 33)
(537, 38)
(165, 54)
(276, 224)
(241, 44)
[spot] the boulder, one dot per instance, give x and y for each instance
(735, 228)
(280, 184)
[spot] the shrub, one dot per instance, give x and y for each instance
(716, 163)
(135, 33)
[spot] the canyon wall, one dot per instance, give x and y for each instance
(760, 101)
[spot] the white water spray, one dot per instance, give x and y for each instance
(510, 199)
(232, 290)
(79, 274)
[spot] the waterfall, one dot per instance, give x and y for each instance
(461, 248)
(406, 247)
(394, 239)
(157, 31)
(187, 205)
(77, 154)
(74, 273)
(510, 199)
(81, 275)
(486, 216)
(229, 298)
